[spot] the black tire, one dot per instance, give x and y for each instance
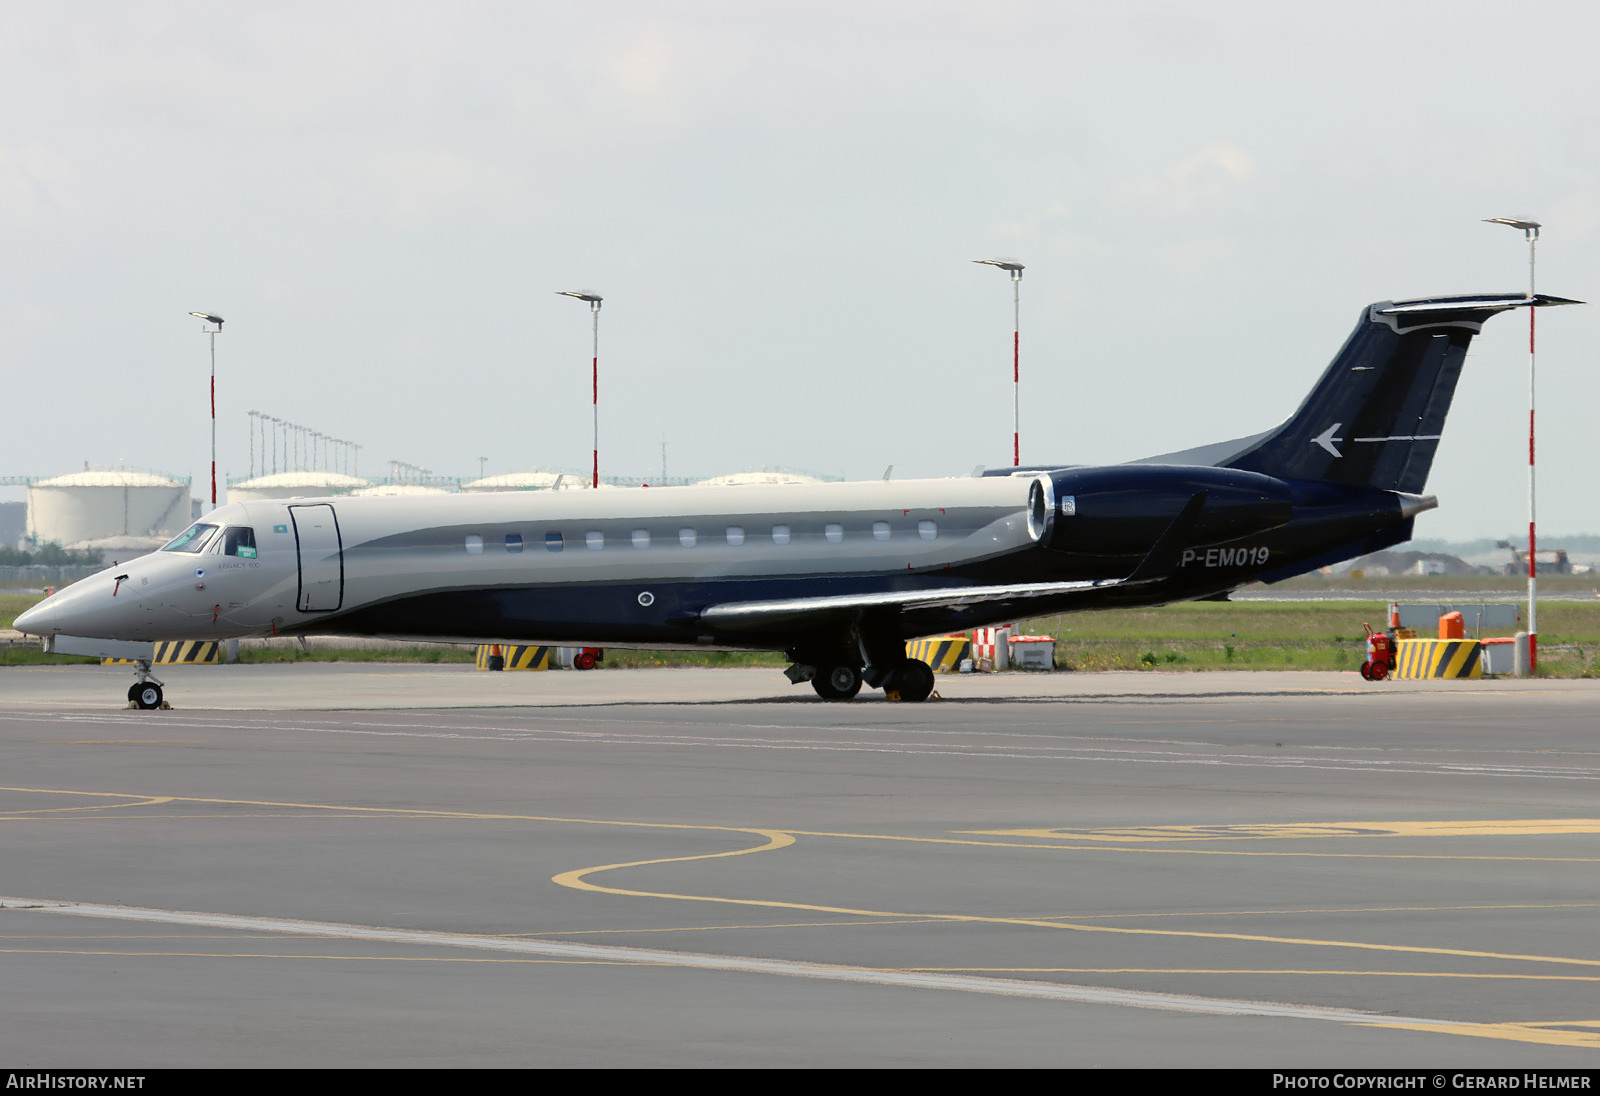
(837, 682)
(913, 680)
(133, 692)
(1366, 670)
(584, 661)
(147, 696)
(1380, 670)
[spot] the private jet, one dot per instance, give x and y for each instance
(837, 576)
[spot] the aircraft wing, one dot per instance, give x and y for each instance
(1161, 561)
(817, 610)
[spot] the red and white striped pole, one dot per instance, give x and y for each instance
(1015, 268)
(594, 300)
(212, 332)
(1533, 564)
(1530, 230)
(1016, 367)
(595, 309)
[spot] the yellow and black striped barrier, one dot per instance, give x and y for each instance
(1427, 658)
(943, 653)
(518, 657)
(178, 652)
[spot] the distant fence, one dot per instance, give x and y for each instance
(43, 574)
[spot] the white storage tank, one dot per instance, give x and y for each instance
(758, 479)
(396, 490)
(294, 485)
(527, 481)
(90, 505)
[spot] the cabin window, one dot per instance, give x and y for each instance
(686, 537)
(880, 530)
(474, 544)
(513, 542)
(191, 539)
(553, 542)
(239, 540)
(641, 538)
(834, 532)
(780, 534)
(928, 530)
(735, 535)
(594, 540)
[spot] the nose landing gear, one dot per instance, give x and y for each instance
(145, 693)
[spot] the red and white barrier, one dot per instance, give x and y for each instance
(993, 645)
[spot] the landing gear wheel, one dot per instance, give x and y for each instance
(840, 682)
(913, 680)
(147, 696)
(133, 692)
(1380, 670)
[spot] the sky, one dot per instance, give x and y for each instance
(780, 203)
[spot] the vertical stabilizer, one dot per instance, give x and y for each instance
(1376, 416)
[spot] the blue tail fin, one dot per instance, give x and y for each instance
(1376, 416)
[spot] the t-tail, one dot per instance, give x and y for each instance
(1376, 416)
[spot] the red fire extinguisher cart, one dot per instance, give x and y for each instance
(1380, 655)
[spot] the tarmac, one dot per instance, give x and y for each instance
(404, 866)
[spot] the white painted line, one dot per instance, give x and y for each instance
(964, 983)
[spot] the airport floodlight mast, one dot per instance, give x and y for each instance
(254, 415)
(594, 300)
(1016, 352)
(1530, 230)
(212, 332)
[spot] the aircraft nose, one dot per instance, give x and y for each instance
(38, 621)
(73, 611)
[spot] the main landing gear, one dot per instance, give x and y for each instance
(840, 681)
(146, 692)
(909, 679)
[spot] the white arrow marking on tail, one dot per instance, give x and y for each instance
(1326, 439)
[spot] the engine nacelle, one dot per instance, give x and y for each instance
(1118, 512)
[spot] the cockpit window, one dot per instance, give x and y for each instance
(192, 539)
(239, 540)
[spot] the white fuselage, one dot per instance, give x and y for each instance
(310, 562)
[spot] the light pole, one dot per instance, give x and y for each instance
(1530, 230)
(252, 415)
(594, 300)
(1016, 352)
(212, 332)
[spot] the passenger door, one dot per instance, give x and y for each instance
(321, 552)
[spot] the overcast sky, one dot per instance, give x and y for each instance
(780, 203)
